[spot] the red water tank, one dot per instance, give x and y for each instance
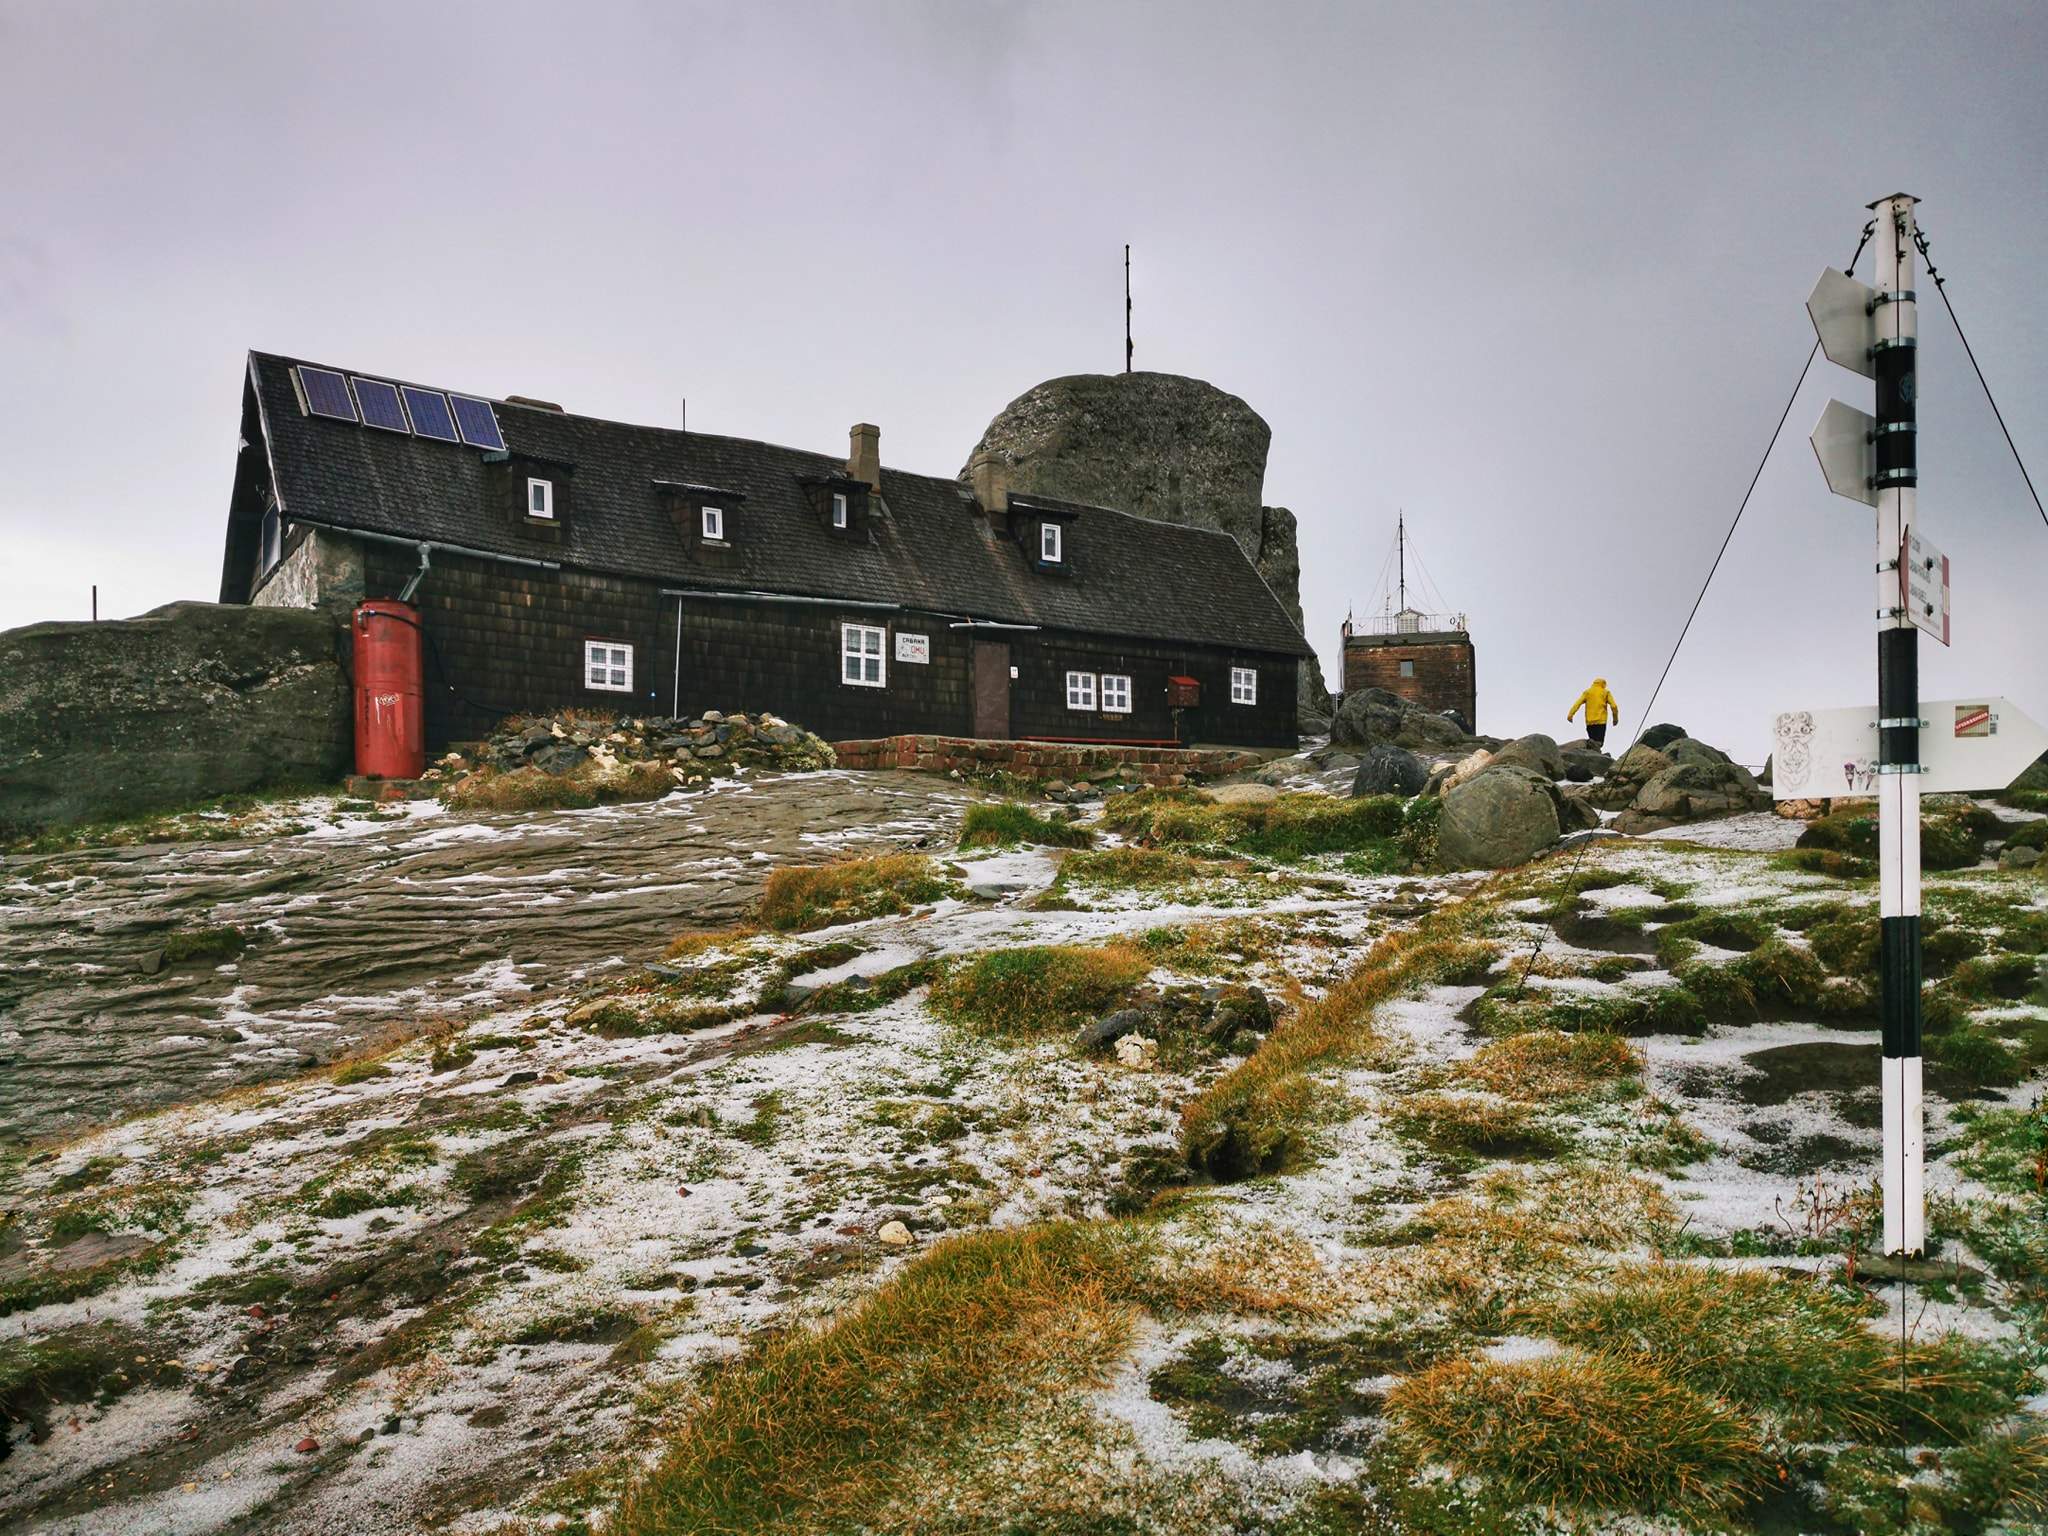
(391, 738)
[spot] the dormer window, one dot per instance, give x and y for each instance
(1049, 543)
(540, 498)
(714, 523)
(840, 513)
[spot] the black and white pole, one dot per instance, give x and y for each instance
(1893, 355)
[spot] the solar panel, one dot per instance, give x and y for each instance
(326, 393)
(430, 414)
(380, 405)
(479, 426)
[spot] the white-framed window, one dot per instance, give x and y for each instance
(1116, 693)
(1407, 669)
(1244, 685)
(839, 509)
(540, 498)
(1049, 543)
(607, 665)
(1081, 690)
(714, 522)
(860, 655)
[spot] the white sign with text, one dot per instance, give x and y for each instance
(914, 648)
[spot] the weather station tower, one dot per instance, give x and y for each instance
(1424, 656)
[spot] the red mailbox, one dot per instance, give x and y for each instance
(391, 739)
(1183, 692)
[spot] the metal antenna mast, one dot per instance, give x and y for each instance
(1127, 307)
(1401, 546)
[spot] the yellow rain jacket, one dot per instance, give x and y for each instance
(1599, 704)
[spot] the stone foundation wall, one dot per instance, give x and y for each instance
(1046, 760)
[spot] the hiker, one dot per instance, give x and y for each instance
(1600, 708)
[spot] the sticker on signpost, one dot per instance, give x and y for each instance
(1976, 720)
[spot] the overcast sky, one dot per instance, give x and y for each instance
(1533, 272)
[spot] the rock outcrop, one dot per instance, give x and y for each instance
(187, 702)
(1160, 445)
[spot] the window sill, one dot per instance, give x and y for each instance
(852, 682)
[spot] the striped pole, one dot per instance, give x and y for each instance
(1898, 698)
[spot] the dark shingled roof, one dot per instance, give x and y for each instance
(933, 549)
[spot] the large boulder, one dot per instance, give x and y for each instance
(1497, 818)
(1660, 736)
(1538, 753)
(1690, 791)
(1159, 445)
(1372, 717)
(1390, 770)
(184, 703)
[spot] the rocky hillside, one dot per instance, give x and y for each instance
(1161, 1164)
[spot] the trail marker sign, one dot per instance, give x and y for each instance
(1966, 745)
(1843, 312)
(1845, 442)
(1923, 585)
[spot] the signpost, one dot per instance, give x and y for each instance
(1875, 332)
(1967, 746)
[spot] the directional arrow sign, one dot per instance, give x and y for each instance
(1923, 585)
(1842, 314)
(1843, 441)
(1967, 745)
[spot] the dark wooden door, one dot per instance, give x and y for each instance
(992, 689)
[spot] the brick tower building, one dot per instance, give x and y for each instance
(1426, 657)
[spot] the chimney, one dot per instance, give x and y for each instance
(989, 478)
(864, 460)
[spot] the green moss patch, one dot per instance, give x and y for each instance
(1007, 824)
(1039, 989)
(853, 890)
(1287, 829)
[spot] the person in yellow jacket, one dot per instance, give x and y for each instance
(1600, 708)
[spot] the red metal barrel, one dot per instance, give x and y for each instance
(391, 739)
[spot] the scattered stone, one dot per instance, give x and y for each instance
(1138, 1052)
(1125, 1021)
(307, 1446)
(2019, 858)
(1688, 750)
(895, 1234)
(1804, 810)
(1691, 791)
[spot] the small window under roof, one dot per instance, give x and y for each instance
(380, 405)
(430, 414)
(477, 423)
(326, 393)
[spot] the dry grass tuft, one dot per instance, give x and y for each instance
(1252, 1270)
(850, 891)
(1478, 1123)
(1547, 1065)
(1590, 1431)
(805, 1436)
(1250, 1120)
